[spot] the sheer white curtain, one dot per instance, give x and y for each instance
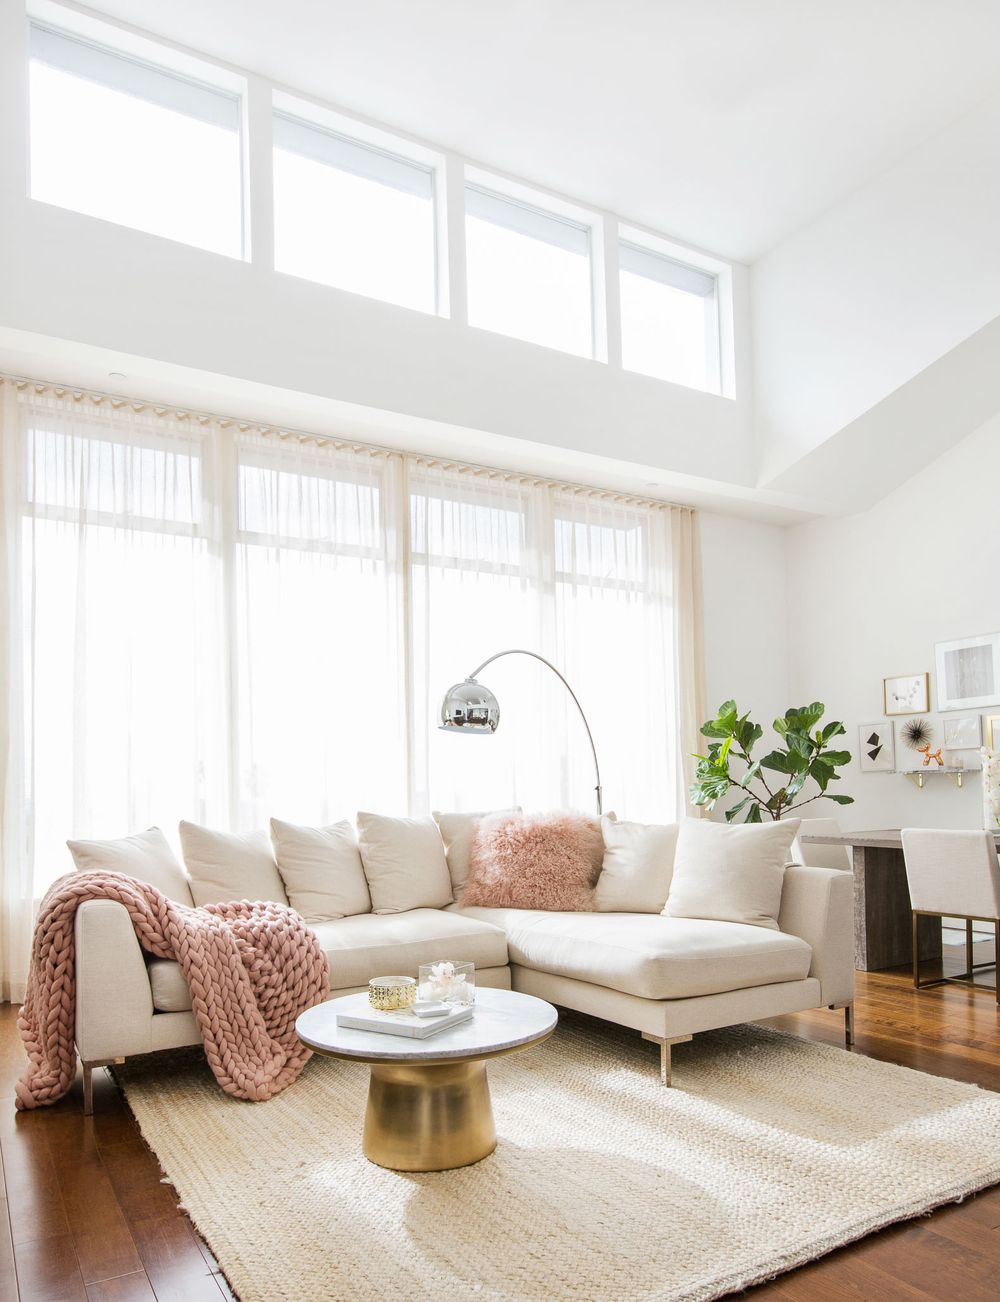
(114, 714)
(210, 621)
(600, 584)
(319, 715)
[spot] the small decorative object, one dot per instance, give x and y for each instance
(733, 737)
(906, 694)
(876, 747)
(929, 755)
(968, 672)
(991, 788)
(448, 982)
(916, 733)
(391, 993)
(962, 732)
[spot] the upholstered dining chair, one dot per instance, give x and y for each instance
(821, 856)
(953, 875)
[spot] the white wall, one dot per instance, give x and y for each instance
(746, 618)
(866, 297)
(869, 596)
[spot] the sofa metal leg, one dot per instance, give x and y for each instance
(666, 1071)
(848, 1021)
(88, 1081)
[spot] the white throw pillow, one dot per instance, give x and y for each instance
(230, 865)
(732, 874)
(404, 862)
(321, 869)
(458, 832)
(638, 865)
(146, 855)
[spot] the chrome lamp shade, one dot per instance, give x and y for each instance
(470, 707)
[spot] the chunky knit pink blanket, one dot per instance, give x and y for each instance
(251, 968)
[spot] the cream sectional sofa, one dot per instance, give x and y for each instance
(665, 977)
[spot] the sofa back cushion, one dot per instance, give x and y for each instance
(534, 861)
(732, 874)
(230, 865)
(638, 864)
(321, 870)
(457, 832)
(145, 855)
(404, 862)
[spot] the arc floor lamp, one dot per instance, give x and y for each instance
(471, 708)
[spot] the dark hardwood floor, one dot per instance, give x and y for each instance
(86, 1217)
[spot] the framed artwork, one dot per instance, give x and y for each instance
(968, 672)
(877, 747)
(906, 694)
(962, 732)
(993, 731)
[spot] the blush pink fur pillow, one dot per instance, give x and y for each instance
(534, 861)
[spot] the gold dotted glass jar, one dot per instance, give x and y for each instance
(391, 993)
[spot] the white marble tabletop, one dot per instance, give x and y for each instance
(503, 1020)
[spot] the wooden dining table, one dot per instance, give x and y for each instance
(882, 910)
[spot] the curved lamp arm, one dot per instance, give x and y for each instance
(517, 651)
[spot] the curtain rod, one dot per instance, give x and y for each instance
(139, 405)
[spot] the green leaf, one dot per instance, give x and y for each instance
(714, 729)
(821, 773)
(731, 813)
(834, 729)
(752, 772)
(747, 734)
(724, 750)
(783, 762)
(753, 816)
(800, 742)
(841, 800)
(796, 784)
(728, 713)
(837, 756)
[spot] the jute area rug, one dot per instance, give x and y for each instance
(769, 1151)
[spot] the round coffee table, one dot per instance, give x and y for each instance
(429, 1100)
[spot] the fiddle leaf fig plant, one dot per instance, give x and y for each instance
(772, 784)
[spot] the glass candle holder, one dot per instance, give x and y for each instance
(447, 982)
(389, 994)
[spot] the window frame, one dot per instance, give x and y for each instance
(658, 246)
(545, 204)
(313, 113)
(163, 61)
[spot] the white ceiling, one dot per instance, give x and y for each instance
(726, 124)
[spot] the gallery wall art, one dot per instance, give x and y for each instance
(876, 747)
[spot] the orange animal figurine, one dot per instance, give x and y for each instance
(929, 755)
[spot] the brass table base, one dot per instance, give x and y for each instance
(428, 1116)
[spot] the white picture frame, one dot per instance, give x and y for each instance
(962, 732)
(968, 672)
(877, 747)
(906, 694)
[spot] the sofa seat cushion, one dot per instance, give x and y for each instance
(650, 955)
(369, 945)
